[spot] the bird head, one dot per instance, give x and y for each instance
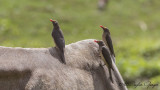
(100, 42)
(105, 29)
(54, 22)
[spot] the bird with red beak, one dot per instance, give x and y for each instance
(106, 37)
(58, 38)
(106, 57)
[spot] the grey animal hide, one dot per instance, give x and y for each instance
(41, 69)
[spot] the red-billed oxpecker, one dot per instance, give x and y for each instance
(108, 41)
(106, 57)
(58, 39)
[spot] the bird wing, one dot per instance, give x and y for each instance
(107, 56)
(61, 33)
(62, 38)
(110, 45)
(59, 40)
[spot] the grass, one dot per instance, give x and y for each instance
(134, 27)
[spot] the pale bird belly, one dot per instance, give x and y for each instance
(104, 40)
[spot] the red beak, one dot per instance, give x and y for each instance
(96, 41)
(51, 20)
(101, 26)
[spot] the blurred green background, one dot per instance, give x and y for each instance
(134, 26)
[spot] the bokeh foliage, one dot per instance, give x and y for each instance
(134, 26)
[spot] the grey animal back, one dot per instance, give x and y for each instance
(40, 69)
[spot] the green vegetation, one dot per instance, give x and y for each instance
(134, 27)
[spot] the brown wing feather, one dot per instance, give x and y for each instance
(110, 45)
(59, 39)
(107, 56)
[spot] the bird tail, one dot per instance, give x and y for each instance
(62, 57)
(113, 58)
(110, 74)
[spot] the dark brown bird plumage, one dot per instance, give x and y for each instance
(108, 41)
(58, 39)
(106, 57)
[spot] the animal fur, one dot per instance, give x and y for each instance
(41, 69)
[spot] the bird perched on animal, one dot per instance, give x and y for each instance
(58, 38)
(106, 57)
(106, 37)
